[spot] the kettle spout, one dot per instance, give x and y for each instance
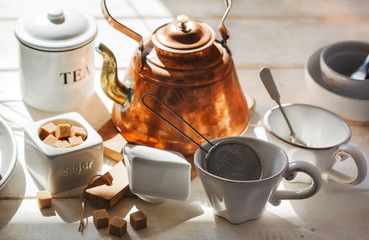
(113, 88)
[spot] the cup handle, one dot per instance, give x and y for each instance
(290, 174)
(341, 155)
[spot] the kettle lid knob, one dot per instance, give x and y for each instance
(183, 34)
(182, 22)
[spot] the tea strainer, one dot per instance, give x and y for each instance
(230, 159)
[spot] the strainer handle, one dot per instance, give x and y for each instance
(290, 174)
(170, 124)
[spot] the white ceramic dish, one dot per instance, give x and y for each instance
(62, 169)
(356, 110)
(8, 153)
(155, 174)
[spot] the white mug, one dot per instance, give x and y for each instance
(326, 136)
(239, 201)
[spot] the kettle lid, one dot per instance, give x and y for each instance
(184, 34)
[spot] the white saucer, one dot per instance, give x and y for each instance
(8, 153)
(352, 109)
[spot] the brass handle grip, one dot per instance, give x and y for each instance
(221, 28)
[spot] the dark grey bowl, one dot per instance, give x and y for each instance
(338, 61)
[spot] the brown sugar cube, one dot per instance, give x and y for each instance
(138, 220)
(114, 142)
(44, 199)
(78, 131)
(62, 144)
(47, 129)
(75, 141)
(62, 131)
(118, 226)
(50, 140)
(101, 218)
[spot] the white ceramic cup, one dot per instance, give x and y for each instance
(239, 201)
(326, 136)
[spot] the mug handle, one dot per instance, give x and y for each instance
(290, 174)
(343, 152)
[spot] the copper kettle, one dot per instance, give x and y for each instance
(186, 67)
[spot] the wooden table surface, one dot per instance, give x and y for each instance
(279, 34)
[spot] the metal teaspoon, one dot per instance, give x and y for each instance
(362, 71)
(268, 81)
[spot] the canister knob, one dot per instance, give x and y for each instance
(56, 16)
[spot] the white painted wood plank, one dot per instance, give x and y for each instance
(210, 8)
(266, 8)
(283, 43)
(193, 219)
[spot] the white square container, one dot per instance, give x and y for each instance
(155, 175)
(61, 169)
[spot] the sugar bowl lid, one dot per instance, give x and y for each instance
(55, 29)
(184, 34)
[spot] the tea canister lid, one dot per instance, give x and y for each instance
(55, 29)
(184, 34)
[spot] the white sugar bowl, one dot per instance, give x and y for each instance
(61, 169)
(56, 58)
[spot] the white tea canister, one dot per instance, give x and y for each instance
(56, 58)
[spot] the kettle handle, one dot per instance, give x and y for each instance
(137, 37)
(222, 29)
(120, 27)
